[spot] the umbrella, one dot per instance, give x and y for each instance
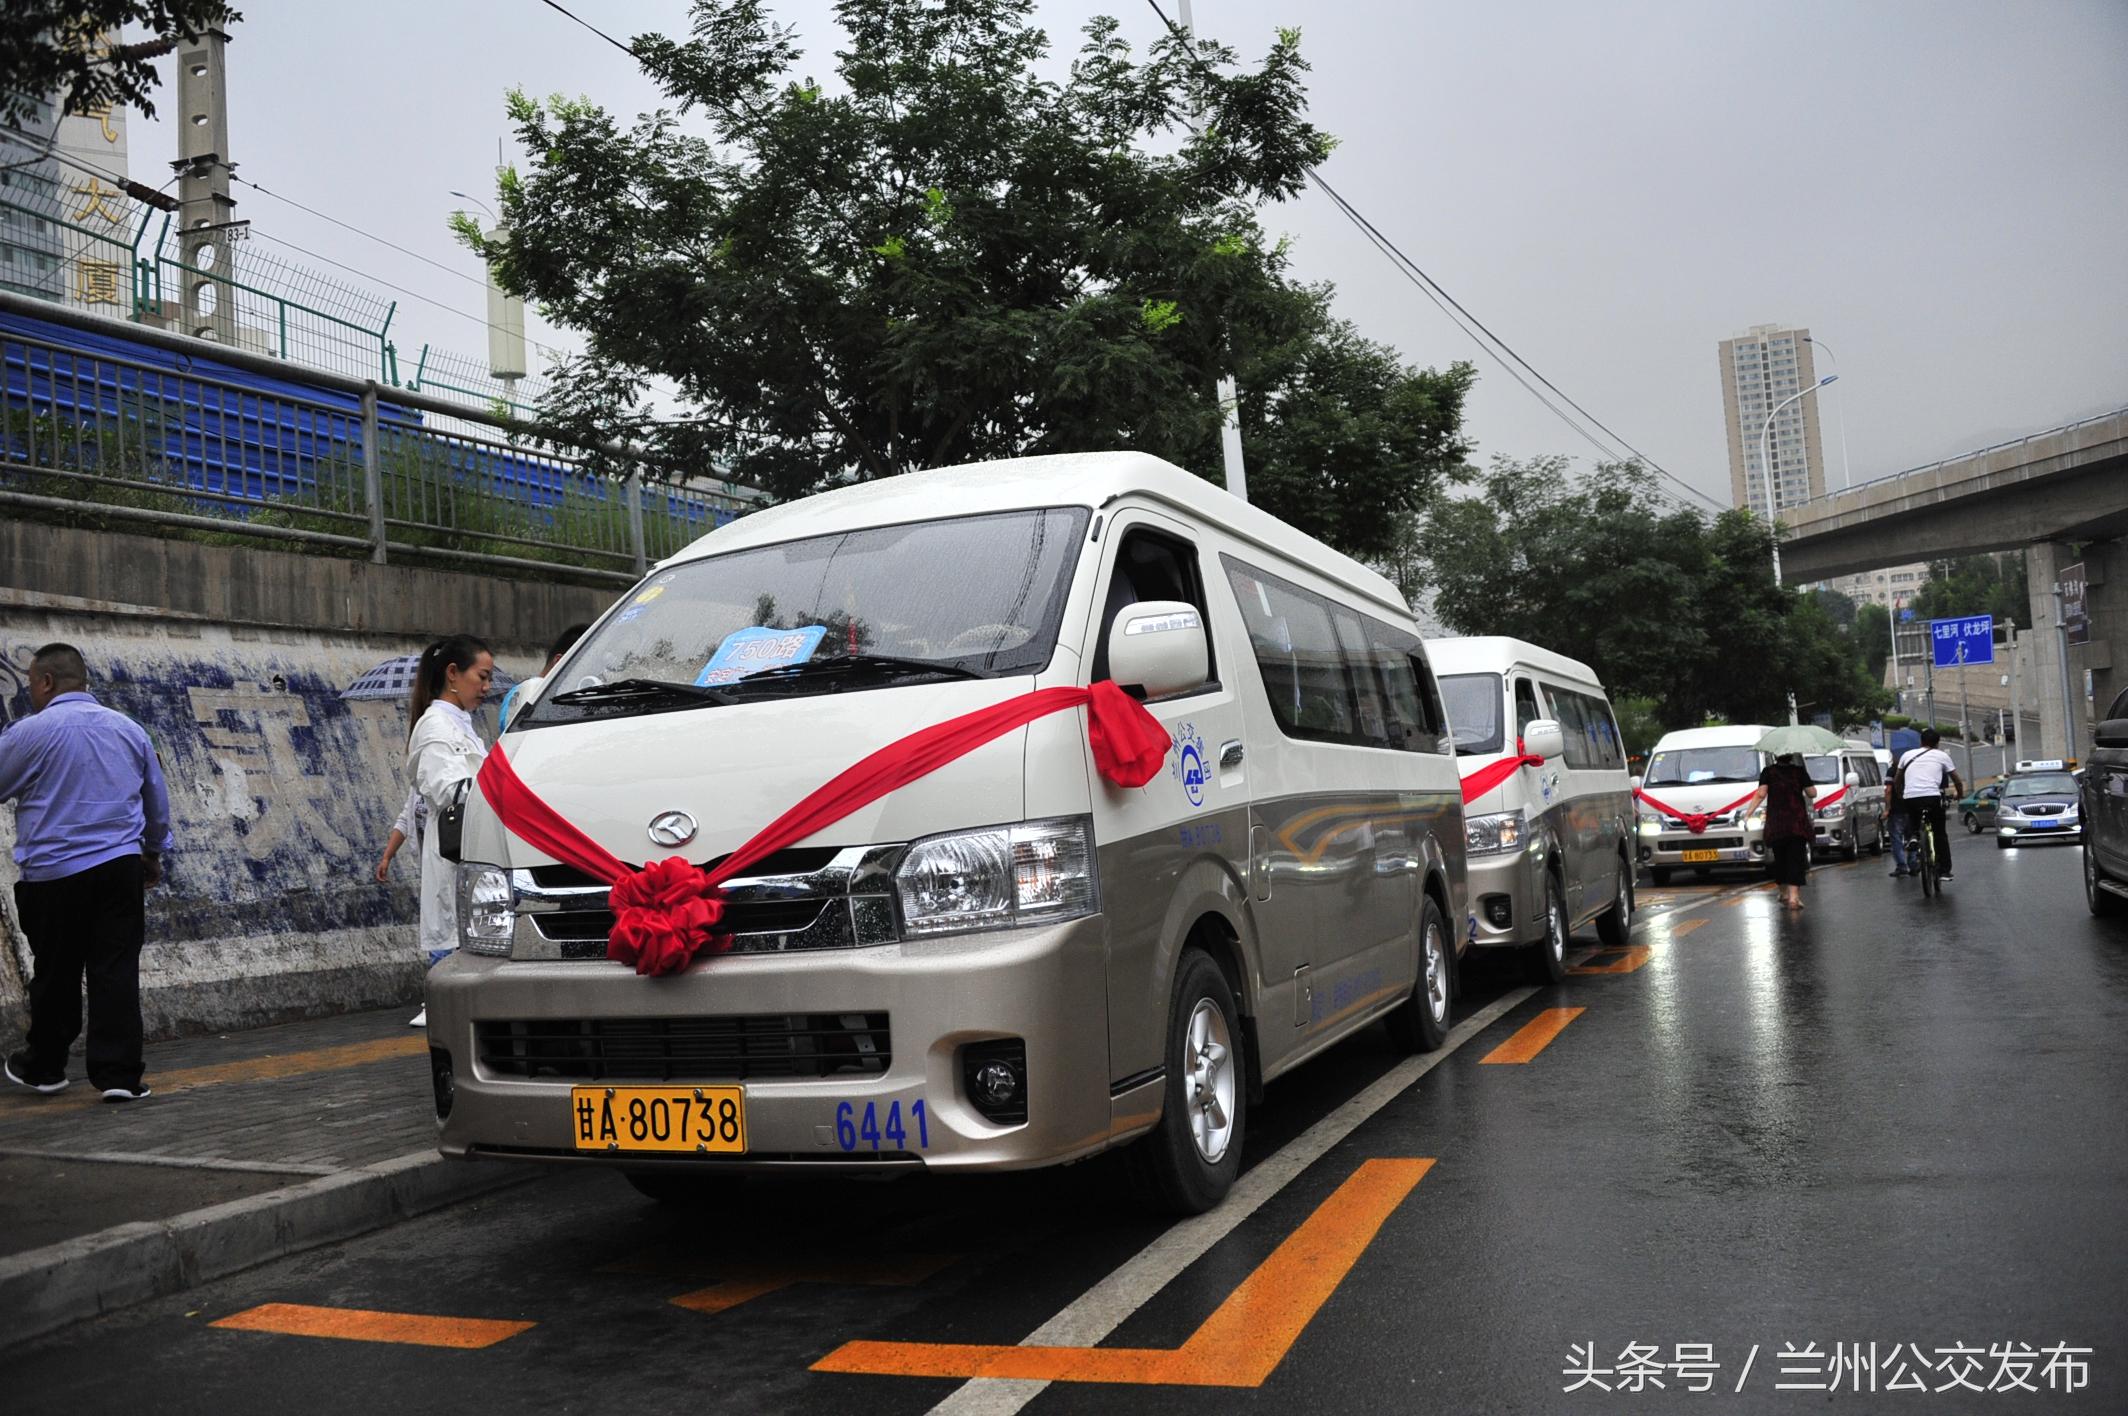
(1800, 738)
(394, 678)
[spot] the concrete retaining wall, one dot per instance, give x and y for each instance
(281, 793)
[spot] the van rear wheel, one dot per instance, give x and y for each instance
(1421, 1024)
(1190, 1160)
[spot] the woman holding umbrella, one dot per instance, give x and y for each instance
(1785, 791)
(442, 752)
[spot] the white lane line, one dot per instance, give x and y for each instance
(182, 1162)
(1102, 1309)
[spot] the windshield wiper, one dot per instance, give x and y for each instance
(632, 690)
(860, 663)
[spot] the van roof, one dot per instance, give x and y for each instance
(1018, 483)
(1494, 653)
(1727, 735)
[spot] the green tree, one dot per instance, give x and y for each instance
(950, 256)
(1976, 585)
(1666, 604)
(56, 49)
(1873, 630)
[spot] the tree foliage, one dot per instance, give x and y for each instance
(1976, 585)
(946, 256)
(1664, 604)
(57, 49)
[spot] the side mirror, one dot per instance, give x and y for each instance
(1852, 779)
(2111, 733)
(528, 691)
(1542, 738)
(1159, 646)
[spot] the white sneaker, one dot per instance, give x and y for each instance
(419, 1020)
(127, 1093)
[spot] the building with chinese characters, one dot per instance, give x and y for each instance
(68, 231)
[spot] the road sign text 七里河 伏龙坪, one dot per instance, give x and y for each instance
(1966, 639)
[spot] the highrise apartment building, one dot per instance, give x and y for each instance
(1761, 369)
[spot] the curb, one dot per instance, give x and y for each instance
(46, 1289)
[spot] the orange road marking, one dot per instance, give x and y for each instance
(1622, 962)
(366, 1325)
(753, 1280)
(1534, 1036)
(1685, 927)
(1238, 1346)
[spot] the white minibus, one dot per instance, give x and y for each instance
(1550, 847)
(1692, 797)
(1010, 961)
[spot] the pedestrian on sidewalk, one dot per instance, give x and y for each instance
(563, 643)
(1785, 791)
(92, 823)
(443, 752)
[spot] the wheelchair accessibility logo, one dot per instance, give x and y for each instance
(1188, 765)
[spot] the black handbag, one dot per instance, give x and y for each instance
(450, 823)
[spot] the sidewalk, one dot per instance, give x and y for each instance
(254, 1145)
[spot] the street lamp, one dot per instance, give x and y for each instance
(465, 197)
(1846, 478)
(1773, 490)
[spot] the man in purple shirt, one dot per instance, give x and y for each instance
(92, 820)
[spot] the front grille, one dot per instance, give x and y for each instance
(740, 917)
(1704, 843)
(796, 860)
(2037, 810)
(740, 1048)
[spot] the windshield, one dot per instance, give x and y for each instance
(974, 595)
(2041, 784)
(1824, 770)
(1689, 766)
(1474, 703)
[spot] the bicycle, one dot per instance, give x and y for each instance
(1925, 858)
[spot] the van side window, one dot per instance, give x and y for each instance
(1297, 653)
(1603, 728)
(1153, 566)
(1415, 715)
(1526, 710)
(1573, 727)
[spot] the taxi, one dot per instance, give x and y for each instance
(2038, 802)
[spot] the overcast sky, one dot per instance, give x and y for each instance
(1935, 189)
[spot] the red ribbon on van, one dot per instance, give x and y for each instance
(1830, 797)
(1695, 821)
(1483, 780)
(668, 911)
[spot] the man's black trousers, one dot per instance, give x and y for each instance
(92, 922)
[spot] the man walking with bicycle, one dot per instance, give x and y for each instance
(1922, 774)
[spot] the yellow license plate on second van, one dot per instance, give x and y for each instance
(1701, 855)
(691, 1120)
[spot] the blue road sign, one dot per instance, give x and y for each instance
(1905, 616)
(1968, 639)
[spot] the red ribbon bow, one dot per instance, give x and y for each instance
(1695, 821)
(667, 912)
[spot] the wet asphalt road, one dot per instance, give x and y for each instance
(1886, 1120)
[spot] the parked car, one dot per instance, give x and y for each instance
(1010, 961)
(2038, 802)
(2104, 799)
(1551, 846)
(1701, 778)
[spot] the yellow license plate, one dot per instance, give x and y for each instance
(1702, 855)
(692, 1120)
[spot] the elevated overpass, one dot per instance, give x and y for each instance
(2039, 495)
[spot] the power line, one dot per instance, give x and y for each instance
(1476, 329)
(590, 26)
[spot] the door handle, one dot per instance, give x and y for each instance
(1230, 753)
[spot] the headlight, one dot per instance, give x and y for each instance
(1491, 835)
(2010, 813)
(1756, 822)
(1827, 813)
(1651, 825)
(1033, 873)
(487, 910)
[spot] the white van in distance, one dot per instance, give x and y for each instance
(1704, 777)
(1009, 961)
(1551, 846)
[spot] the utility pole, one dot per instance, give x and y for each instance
(2061, 651)
(2017, 721)
(204, 203)
(1965, 709)
(1237, 472)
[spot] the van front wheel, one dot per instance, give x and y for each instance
(1421, 1023)
(1545, 960)
(1190, 1160)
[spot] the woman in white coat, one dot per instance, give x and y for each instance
(442, 751)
